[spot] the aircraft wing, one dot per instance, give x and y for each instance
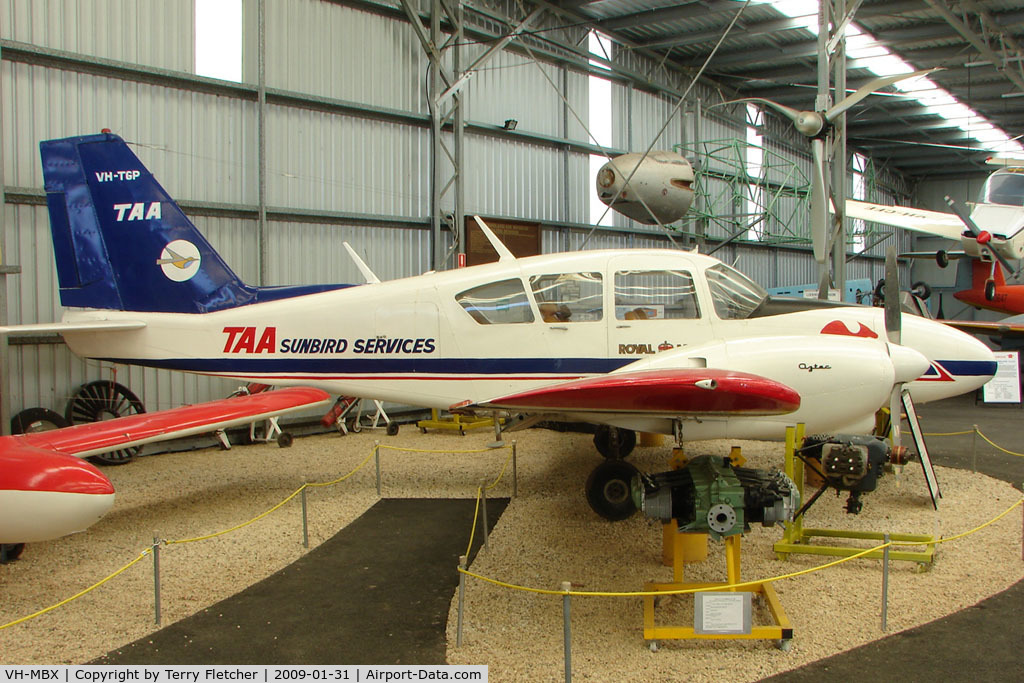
(60, 327)
(997, 328)
(132, 430)
(920, 220)
(669, 392)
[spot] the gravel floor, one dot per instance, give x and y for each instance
(547, 535)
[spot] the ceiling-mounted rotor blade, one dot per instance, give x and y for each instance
(819, 203)
(789, 113)
(868, 88)
(893, 315)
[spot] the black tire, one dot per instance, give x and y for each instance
(615, 443)
(990, 290)
(609, 489)
(284, 440)
(942, 258)
(9, 552)
(354, 425)
(921, 290)
(37, 420)
(392, 429)
(104, 400)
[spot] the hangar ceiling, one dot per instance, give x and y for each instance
(767, 54)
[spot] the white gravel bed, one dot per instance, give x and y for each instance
(547, 535)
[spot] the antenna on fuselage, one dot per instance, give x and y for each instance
(503, 253)
(370, 276)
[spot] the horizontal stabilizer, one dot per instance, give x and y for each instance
(102, 437)
(670, 392)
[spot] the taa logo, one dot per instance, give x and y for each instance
(244, 340)
(138, 211)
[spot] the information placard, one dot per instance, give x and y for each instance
(722, 613)
(1005, 386)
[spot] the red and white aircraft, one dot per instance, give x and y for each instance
(48, 490)
(992, 235)
(650, 340)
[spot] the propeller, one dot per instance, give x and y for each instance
(982, 236)
(893, 332)
(817, 125)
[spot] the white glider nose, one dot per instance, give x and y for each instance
(908, 364)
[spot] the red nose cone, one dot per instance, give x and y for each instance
(984, 237)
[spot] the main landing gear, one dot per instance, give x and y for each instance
(608, 487)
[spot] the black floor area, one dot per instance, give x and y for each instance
(379, 591)
(376, 593)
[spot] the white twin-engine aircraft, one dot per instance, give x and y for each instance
(651, 340)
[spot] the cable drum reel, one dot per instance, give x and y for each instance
(711, 496)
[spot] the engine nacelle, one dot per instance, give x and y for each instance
(711, 496)
(663, 181)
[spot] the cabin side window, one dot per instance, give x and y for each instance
(497, 303)
(569, 297)
(655, 295)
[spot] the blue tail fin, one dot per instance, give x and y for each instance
(122, 243)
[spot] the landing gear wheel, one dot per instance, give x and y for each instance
(105, 400)
(608, 489)
(284, 440)
(354, 426)
(9, 552)
(392, 429)
(37, 420)
(612, 442)
(990, 290)
(942, 258)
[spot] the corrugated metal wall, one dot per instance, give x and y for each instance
(348, 148)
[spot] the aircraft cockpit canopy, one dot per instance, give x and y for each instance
(734, 295)
(1005, 186)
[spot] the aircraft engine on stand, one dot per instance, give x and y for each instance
(711, 496)
(661, 184)
(852, 462)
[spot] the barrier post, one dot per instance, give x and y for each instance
(567, 631)
(515, 471)
(376, 456)
(483, 508)
(156, 579)
(305, 522)
(885, 584)
(974, 449)
(462, 597)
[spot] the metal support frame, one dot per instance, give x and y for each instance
(797, 539)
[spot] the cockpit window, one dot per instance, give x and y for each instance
(1004, 187)
(734, 294)
(568, 297)
(655, 295)
(497, 303)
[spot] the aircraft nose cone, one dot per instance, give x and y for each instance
(908, 363)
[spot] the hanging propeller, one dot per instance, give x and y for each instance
(817, 125)
(982, 236)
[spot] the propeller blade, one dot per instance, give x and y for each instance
(791, 114)
(895, 414)
(819, 207)
(893, 316)
(838, 108)
(966, 219)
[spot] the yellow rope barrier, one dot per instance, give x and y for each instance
(634, 594)
(80, 593)
(989, 441)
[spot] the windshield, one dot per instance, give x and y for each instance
(1004, 187)
(734, 294)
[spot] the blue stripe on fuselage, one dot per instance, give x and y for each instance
(964, 368)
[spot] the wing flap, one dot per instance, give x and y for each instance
(133, 430)
(675, 392)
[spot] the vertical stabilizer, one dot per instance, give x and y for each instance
(119, 239)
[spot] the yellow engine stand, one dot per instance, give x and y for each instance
(796, 539)
(682, 550)
(460, 423)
